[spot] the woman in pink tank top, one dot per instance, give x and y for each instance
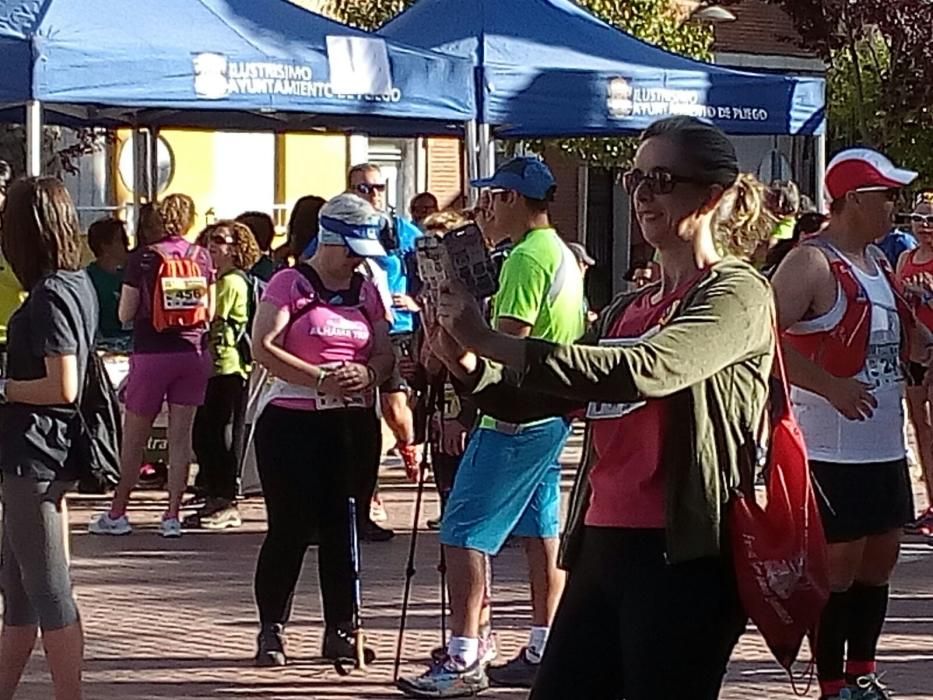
(322, 333)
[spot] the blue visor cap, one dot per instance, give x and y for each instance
(361, 239)
(530, 177)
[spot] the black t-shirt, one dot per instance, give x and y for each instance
(59, 317)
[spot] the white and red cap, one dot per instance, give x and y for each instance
(861, 168)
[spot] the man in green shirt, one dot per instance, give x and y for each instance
(508, 482)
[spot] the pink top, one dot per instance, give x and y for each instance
(329, 333)
(628, 439)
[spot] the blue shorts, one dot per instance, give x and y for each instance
(506, 485)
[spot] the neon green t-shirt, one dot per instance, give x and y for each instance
(11, 296)
(541, 285)
(229, 323)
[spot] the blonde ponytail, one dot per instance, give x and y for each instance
(744, 223)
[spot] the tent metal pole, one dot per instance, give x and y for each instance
(139, 169)
(821, 203)
(471, 151)
(152, 160)
(487, 151)
(33, 138)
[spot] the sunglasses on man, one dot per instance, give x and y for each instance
(657, 180)
(921, 219)
(369, 188)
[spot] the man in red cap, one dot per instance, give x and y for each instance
(846, 331)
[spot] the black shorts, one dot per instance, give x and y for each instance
(402, 344)
(862, 500)
(915, 374)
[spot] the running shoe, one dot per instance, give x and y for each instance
(870, 688)
(340, 645)
(103, 524)
(434, 523)
(488, 648)
(223, 518)
(923, 525)
(270, 646)
(377, 511)
(448, 679)
(370, 532)
(517, 673)
(170, 527)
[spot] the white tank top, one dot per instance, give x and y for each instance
(830, 436)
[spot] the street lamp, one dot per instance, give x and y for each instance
(712, 14)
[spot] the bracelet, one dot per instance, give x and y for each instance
(322, 375)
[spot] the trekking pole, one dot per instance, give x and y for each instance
(360, 661)
(410, 566)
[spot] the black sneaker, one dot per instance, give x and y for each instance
(517, 673)
(434, 523)
(340, 645)
(271, 646)
(370, 532)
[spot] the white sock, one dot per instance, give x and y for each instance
(537, 641)
(464, 649)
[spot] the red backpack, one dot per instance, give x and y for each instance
(779, 548)
(180, 294)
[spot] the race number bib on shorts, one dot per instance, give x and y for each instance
(183, 293)
(613, 411)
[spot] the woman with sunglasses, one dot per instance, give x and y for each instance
(673, 381)
(915, 271)
(218, 424)
(321, 331)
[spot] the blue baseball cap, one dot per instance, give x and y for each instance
(528, 176)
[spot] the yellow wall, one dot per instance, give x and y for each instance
(312, 164)
(305, 164)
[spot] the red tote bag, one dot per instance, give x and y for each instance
(779, 547)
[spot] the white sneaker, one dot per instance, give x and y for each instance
(103, 524)
(170, 527)
(377, 511)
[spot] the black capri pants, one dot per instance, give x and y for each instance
(34, 576)
(310, 463)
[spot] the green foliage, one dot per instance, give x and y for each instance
(62, 149)
(880, 82)
(654, 21)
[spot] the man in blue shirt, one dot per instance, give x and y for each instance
(399, 236)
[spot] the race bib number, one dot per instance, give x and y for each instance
(613, 411)
(325, 402)
(183, 293)
(452, 408)
(883, 365)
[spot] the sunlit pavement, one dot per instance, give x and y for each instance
(176, 619)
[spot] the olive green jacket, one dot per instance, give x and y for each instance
(712, 359)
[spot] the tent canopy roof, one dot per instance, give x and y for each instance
(221, 63)
(549, 68)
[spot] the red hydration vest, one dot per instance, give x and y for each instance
(842, 350)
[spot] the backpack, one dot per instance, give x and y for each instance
(98, 435)
(180, 293)
(244, 335)
(779, 549)
(96, 447)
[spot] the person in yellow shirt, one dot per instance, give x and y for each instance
(11, 291)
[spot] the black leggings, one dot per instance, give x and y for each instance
(218, 436)
(310, 463)
(34, 576)
(631, 626)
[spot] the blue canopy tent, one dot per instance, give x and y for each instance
(547, 68)
(232, 64)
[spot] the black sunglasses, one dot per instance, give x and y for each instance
(921, 219)
(366, 188)
(658, 180)
(220, 239)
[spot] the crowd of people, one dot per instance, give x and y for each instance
(671, 380)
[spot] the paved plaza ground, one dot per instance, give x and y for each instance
(175, 619)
